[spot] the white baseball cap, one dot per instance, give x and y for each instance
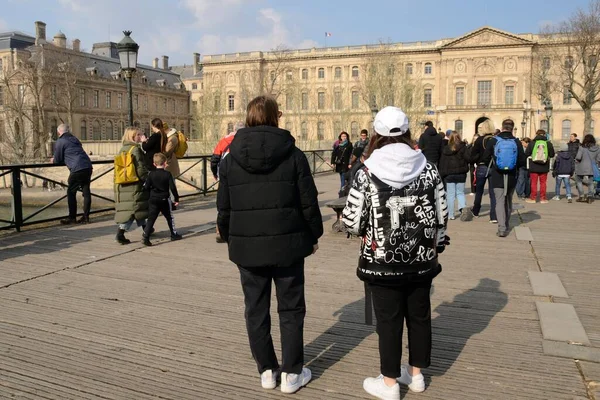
(391, 118)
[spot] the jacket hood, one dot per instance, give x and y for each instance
(396, 164)
(447, 150)
(430, 131)
(565, 154)
(69, 137)
(171, 132)
(594, 148)
(261, 148)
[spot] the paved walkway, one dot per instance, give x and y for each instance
(84, 318)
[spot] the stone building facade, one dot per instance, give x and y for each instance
(484, 74)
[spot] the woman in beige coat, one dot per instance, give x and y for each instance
(170, 147)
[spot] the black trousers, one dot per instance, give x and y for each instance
(79, 180)
(392, 305)
(156, 207)
(289, 287)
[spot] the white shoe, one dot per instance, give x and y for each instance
(290, 383)
(557, 198)
(415, 383)
(268, 379)
(377, 387)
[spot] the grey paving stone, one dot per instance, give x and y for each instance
(566, 350)
(523, 233)
(560, 322)
(591, 370)
(547, 284)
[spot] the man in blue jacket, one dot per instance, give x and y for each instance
(68, 151)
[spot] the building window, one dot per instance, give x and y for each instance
(458, 126)
(110, 132)
(165, 105)
(82, 97)
(566, 129)
(305, 101)
(288, 126)
(231, 102)
(337, 100)
(321, 100)
(354, 129)
(96, 130)
(509, 95)
(338, 72)
(546, 63)
(289, 101)
(108, 99)
(53, 128)
(320, 130)
(194, 86)
(217, 102)
(289, 76)
(484, 93)
(568, 62)
(355, 72)
(136, 101)
(122, 128)
(145, 102)
(567, 96)
(173, 106)
(354, 99)
(83, 130)
(303, 131)
(53, 94)
(427, 68)
(460, 96)
(409, 69)
(1, 96)
(321, 73)
(230, 127)
(427, 98)
(305, 74)
(544, 125)
(120, 100)
(96, 99)
(21, 92)
(273, 77)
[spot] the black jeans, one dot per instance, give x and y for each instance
(480, 174)
(79, 180)
(392, 305)
(289, 287)
(156, 207)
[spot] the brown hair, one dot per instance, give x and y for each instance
(159, 159)
(262, 110)
(540, 132)
(158, 124)
(377, 141)
(454, 140)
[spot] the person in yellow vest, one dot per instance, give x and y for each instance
(131, 201)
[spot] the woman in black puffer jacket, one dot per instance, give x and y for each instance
(454, 166)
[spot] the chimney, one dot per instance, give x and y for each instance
(40, 32)
(165, 63)
(196, 62)
(60, 40)
(155, 63)
(77, 45)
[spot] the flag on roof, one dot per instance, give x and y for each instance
(327, 34)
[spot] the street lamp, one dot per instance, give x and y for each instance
(523, 125)
(374, 110)
(548, 109)
(128, 52)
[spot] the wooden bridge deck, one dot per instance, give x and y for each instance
(84, 318)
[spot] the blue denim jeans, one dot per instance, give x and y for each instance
(343, 179)
(559, 181)
(127, 225)
(523, 188)
(455, 191)
(481, 178)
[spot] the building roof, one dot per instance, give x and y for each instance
(187, 72)
(15, 40)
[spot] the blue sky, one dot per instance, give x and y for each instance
(178, 28)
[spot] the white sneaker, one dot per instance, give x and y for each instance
(557, 198)
(268, 379)
(290, 383)
(377, 387)
(415, 383)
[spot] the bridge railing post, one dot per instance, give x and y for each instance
(17, 200)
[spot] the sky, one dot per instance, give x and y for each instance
(178, 28)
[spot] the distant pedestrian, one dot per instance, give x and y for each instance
(539, 152)
(160, 184)
(269, 215)
(562, 170)
(431, 143)
(479, 156)
(69, 151)
(588, 155)
(523, 188)
(573, 145)
(340, 157)
(472, 165)
(454, 167)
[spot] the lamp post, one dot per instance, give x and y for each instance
(374, 110)
(548, 109)
(128, 52)
(523, 125)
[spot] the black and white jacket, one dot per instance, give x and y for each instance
(397, 204)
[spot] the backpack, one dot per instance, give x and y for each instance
(125, 168)
(540, 152)
(505, 154)
(182, 147)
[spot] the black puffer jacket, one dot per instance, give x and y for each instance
(267, 200)
(535, 167)
(454, 163)
(431, 144)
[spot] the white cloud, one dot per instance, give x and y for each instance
(211, 12)
(74, 5)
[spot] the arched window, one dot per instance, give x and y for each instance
(303, 131)
(355, 72)
(321, 74)
(194, 86)
(110, 132)
(122, 128)
(427, 68)
(320, 130)
(566, 129)
(305, 74)
(338, 72)
(53, 128)
(354, 128)
(458, 126)
(230, 127)
(96, 130)
(409, 69)
(83, 130)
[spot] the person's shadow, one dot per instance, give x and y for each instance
(340, 339)
(469, 314)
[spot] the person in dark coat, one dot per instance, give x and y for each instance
(269, 215)
(131, 200)
(431, 143)
(563, 170)
(156, 143)
(486, 129)
(539, 165)
(573, 145)
(340, 156)
(454, 167)
(503, 183)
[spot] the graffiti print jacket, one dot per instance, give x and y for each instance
(397, 204)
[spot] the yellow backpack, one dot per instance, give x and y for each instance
(125, 168)
(182, 146)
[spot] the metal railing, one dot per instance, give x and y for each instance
(19, 173)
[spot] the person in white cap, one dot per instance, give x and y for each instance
(397, 204)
